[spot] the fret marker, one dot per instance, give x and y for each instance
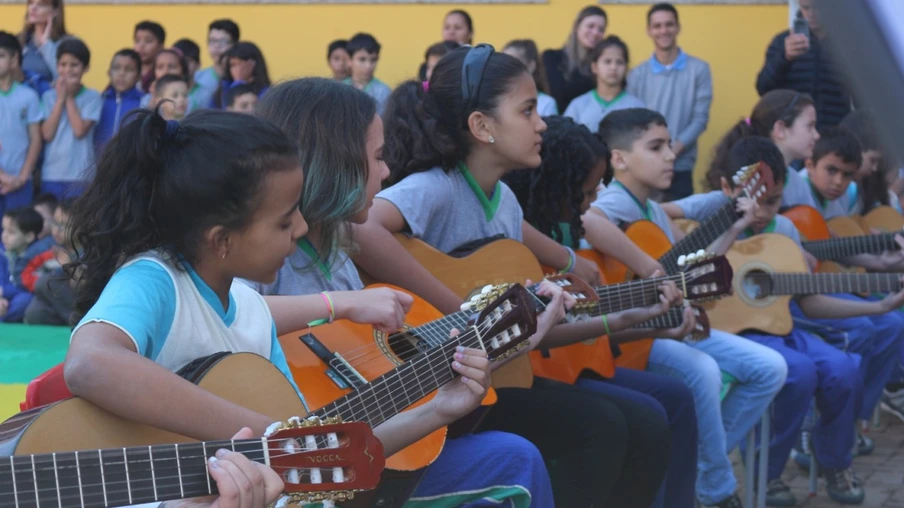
(179, 469)
(34, 474)
(12, 469)
(125, 462)
(103, 481)
(153, 474)
(56, 476)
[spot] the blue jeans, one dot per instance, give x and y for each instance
(486, 469)
(675, 402)
(878, 341)
(815, 369)
(760, 372)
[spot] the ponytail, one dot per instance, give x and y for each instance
(162, 184)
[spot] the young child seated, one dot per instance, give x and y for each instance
(365, 53)
(241, 99)
(172, 92)
(54, 293)
(20, 233)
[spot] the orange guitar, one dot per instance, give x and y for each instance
(73, 454)
(709, 278)
(363, 375)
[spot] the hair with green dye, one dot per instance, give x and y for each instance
(329, 121)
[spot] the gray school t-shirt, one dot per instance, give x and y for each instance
(836, 208)
(622, 208)
(67, 158)
(299, 277)
(20, 107)
(587, 109)
(700, 207)
(797, 190)
(442, 209)
(546, 105)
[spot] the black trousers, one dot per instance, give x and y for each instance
(600, 450)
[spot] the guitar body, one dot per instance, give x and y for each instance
(368, 351)
(812, 226)
(769, 252)
(497, 262)
(883, 218)
(76, 424)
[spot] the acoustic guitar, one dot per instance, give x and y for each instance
(768, 270)
(700, 280)
(362, 375)
(883, 218)
(74, 454)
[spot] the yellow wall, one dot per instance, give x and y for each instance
(732, 39)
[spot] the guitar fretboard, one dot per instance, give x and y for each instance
(701, 238)
(671, 319)
(826, 283)
(114, 477)
(836, 249)
(630, 295)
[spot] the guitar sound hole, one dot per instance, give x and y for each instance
(757, 284)
(406, 345)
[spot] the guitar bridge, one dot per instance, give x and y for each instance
(338, 369)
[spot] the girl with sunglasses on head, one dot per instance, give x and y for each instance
(448, 144)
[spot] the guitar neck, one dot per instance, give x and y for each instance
(630, 295)
(828, 283)
(836, 249)
(115, 477)
(395, 391)
(673, 318)
(701, 238)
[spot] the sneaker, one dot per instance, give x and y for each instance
(892, 402)
(865, 445)
(843, 487)
(732, 501)
(779, 494)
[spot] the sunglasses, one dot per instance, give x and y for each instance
(472, 76)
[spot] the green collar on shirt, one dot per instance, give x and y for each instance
(604, 102)
(644, 207)
(823, 202)
(348, 81)
(768, 229)
(490, 205)
(308, 248)
(11, 88)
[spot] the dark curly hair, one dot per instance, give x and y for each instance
(157, 187)
(427, 129)
(570, 152)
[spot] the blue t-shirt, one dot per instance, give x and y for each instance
(140, 299)
(67, 158)
(19, 108)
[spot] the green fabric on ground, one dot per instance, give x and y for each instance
(28, 350)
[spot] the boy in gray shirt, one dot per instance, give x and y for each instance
(679, 87)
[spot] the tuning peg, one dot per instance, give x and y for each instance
(700, 253)
(486, 289)
(682, 260)
(465, 307)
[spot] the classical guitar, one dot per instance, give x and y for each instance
(362, 375)
(883, 218)
(74, 454)
(710, 277)
(768, 270)
(754, 181)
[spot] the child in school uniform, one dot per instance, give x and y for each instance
(814, 367)
(364, 51)
(526, 51)
(198, 96)
(245, 65)
(120, 97)
(870, 186)
(338, 59)
(642, 163)
(167, 294)
(71, 110)
(222, 34)
(20, 244)
(338, 123)
(553, 197)
(171, 95)
(447, 147)
(241, 99)
(20, 129)
(609, 64)
(149, 39)
(168, 62)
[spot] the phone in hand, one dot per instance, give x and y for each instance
(801, 27)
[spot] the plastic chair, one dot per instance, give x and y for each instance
(45, 389)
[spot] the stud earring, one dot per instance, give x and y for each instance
(223, 256)
(492, 140)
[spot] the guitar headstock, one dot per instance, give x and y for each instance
(504, 316)
(585, 296)
(323, 459)
(705, 276)
(755, 180)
